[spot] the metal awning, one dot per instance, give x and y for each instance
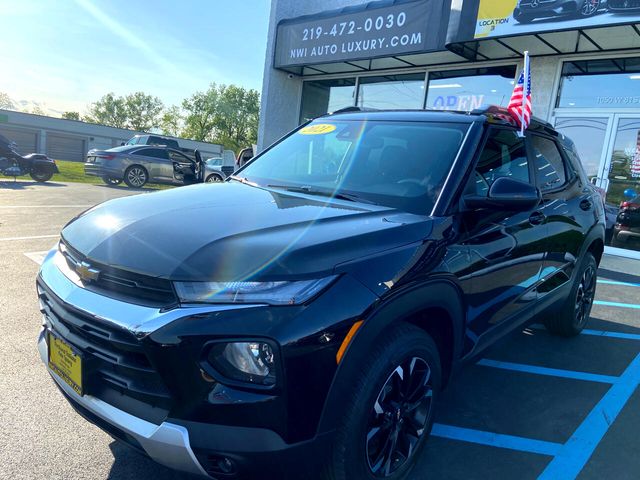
(471, 33)
(378, 64)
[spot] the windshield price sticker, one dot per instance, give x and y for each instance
(402, 28)
(318, 129)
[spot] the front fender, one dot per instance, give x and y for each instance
(442, 293)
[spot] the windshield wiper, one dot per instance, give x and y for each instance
(321, 193)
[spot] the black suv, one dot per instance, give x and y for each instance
(528, 10)
(304, 315)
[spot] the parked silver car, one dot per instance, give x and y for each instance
(217, 169)
(139, 164)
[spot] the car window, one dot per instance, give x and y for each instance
(178, 157)
(503, 155)
(152, 152)
(548, 163)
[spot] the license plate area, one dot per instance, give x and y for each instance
(66, 362)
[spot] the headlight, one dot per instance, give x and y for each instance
(250, 362)
(273, 293)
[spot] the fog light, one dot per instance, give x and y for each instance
(251, 362)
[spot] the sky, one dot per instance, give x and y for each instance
(65, 54)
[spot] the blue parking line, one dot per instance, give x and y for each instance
(609, 334)
(496, 439)
(622, 284)
(553, 372)
(577, 451)
(617, 304)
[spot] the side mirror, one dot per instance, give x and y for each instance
(506, 194)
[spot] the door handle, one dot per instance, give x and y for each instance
(537, 218)
(586, 204)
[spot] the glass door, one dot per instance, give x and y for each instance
(609, 147)
(622, 167)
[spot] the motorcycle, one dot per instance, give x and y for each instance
(37, 165)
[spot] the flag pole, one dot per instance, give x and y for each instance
(524, 91)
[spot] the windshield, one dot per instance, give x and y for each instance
(396, 164)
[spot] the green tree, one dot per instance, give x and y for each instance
(236, 119)
(171, 121)
(37, 110)
(142, 111)
(200, 112)
(6, 102)
(71, 115)
(109, 110)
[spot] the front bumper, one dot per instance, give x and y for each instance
(167, 443)
(180, 442)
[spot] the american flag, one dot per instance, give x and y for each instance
(520, 103)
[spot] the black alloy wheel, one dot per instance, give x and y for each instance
(574, 314)
(386, 411)
(584, 297)
(399, 417)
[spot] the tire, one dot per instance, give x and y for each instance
(111, 181)
(213, 178)
(136, 176)
(41, 176)
(404, 358)
(574, 314)
(588, 8)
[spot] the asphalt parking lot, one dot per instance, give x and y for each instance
(535, 406)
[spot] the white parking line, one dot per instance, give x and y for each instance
(7, 239)
(37, 257)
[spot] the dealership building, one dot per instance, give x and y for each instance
(461, 55)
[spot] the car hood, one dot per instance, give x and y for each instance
(234, 232)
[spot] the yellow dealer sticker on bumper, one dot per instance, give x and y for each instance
(66, 363)
(317, 129)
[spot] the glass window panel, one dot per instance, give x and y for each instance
(392, 92)
(503, 155)
(326, 96)
(624, 184)
(588, 135)
(548, 163)
(466, 90)
(609, 83)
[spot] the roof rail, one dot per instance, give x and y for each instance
(353, 108)
(504, 114)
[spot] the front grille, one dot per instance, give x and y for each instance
(117, 282)
(117, 370)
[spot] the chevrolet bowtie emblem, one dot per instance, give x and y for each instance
(86, 273)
